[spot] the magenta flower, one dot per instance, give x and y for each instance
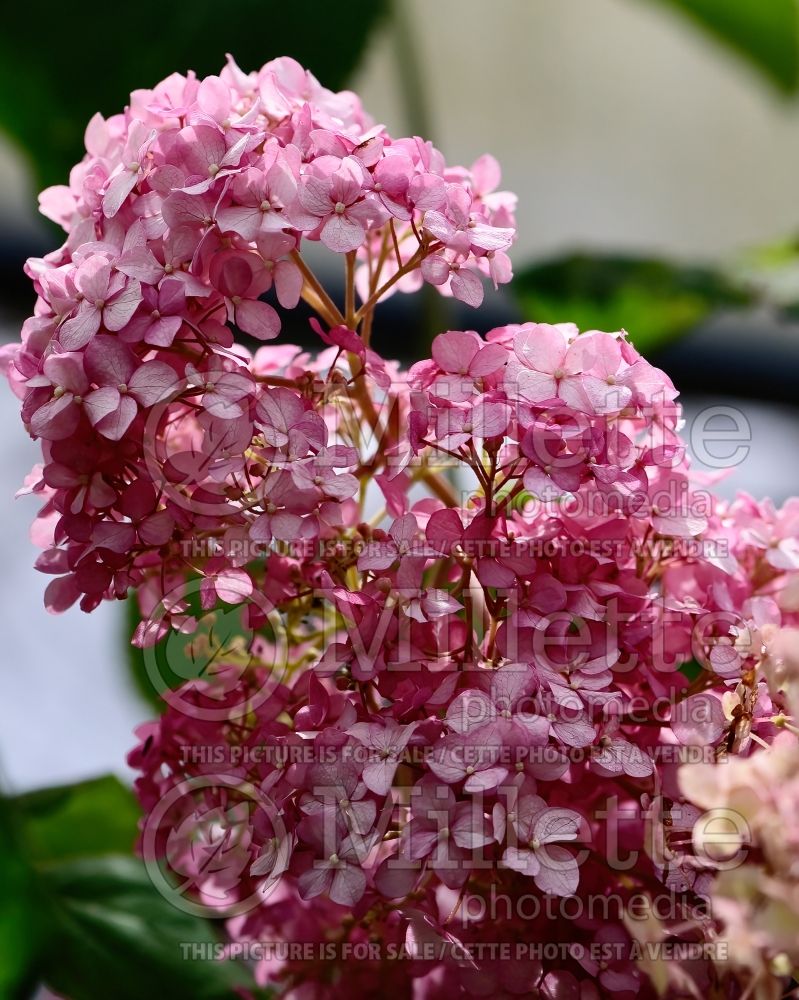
(533, 832)
(263, 197)
(459, 230)
(474, 758)
(547, 368)
(386, 743)
(337, 202)
(338, 874)
(398, 544)
(224, 394)
(58, 418)
(508, 708)
(160, 315)
(465, 354)
(123, 385)
(109, 300)
(241, 278)
(446, 271)
(445, 831)
(133, 167)
(205, 157)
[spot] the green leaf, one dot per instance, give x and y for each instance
(219, 640)
(98, 816)
(137, 668)
(115, 936)
(691, 669)
(764, 32)
(48, 94)
(774, 270)
(655, 301)
(21, 928)
(95, 925)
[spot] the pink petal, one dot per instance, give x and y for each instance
(56, 420)
(108, 361)
(444, 529)
(349, 884)
(455, 350)
(488, 359)
(110, 412)
(258, 319)
(540, 346)
(242, 219)
(117, 536)
(118, 312)
(467, 287)
(101, 402)
(314, 881)
(153, 382)
(141, 263)
(118, 190)
(288, 283)
(559, 873)
(61, 594)
(396, 877)
(699, 720)
(435, 270)
(76, 332)
(67, 371)
(341, 234)
(233, 586)
(315, 196)
(213, 97)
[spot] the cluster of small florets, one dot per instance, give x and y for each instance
(186, 209)
(487, 616)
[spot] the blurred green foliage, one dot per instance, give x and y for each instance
(97, 816)
(20, 931)
(764, 32)
(654, 300)
(774, 271)
(57, 71)
(80, 914)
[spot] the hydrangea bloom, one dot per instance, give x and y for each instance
(454, 720)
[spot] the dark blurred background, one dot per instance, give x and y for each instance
(654, 146)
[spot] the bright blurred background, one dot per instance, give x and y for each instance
(654, 146)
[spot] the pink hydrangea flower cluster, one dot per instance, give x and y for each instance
(487, 618)
(185, 210)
